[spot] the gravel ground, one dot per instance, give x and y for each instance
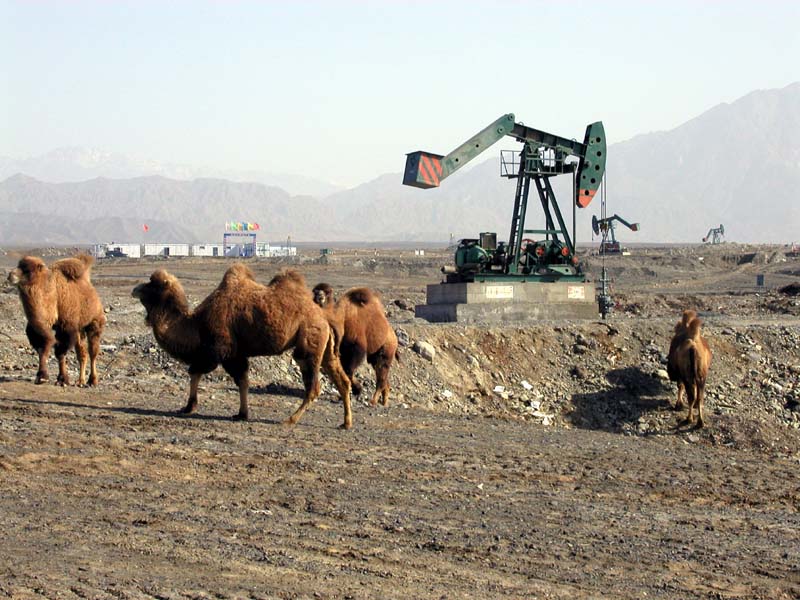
(538, 461)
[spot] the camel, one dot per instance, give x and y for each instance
(678, 337)
(240, 319)
(63, 309)
(688, 364)
(360, 323)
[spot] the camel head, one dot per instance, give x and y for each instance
(162, 291)
(323, 294)
(28, 270)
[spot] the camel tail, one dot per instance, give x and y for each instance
(397, 355)
(694, 365)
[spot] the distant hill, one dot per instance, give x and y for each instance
(191, 211)
(736, 164)
(80, 164)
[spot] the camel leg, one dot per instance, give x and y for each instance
(238, 369)
(83, 356)
(351, 358)
(93, 337)
(382, 382)
(690, 395)
(65, 340)
(700, 400)
(310, 371)
(381, 364)
(332, 367)
(42, 341)
(191, 404)
(679, 403)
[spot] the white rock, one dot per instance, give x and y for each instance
(662, 374)
(425, 350)
(526, 385)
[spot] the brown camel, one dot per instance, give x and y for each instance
(688, 364)
(240, 319)
(679, 335)
(360, 323)
(63, 309)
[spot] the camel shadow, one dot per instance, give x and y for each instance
(634, 395)
(278, 389)
(129, 410)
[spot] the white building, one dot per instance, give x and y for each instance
(264, 250)
(166, 249)
(113, 249)
(207, 250)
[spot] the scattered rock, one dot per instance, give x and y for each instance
(425, 350)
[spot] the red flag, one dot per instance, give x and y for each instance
(145, 227)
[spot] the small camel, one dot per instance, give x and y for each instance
(362, 330)
(240, 319)
(63, 309)
(688, 364)
(679, 335)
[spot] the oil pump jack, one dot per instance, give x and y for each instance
(543, 156)
(604, 227)
(487, 272)
(714, 235)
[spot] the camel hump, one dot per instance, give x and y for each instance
(693, 329)
(689, 315)
(72, 268)
(362, 296)
(288, 276)
(238, 272)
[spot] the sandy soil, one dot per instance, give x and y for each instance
(578, 485)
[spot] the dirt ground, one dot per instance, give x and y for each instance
(535, 461)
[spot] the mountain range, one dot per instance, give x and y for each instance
(64, 165)
(736, 164)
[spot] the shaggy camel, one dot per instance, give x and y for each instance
(240, 319)
(681, 327)
(62, 308)
(688, 364)
(362, 330)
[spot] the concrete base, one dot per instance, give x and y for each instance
(508, 302)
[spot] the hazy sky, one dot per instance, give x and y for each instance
(341, 90)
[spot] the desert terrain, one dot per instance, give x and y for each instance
(523, 461)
